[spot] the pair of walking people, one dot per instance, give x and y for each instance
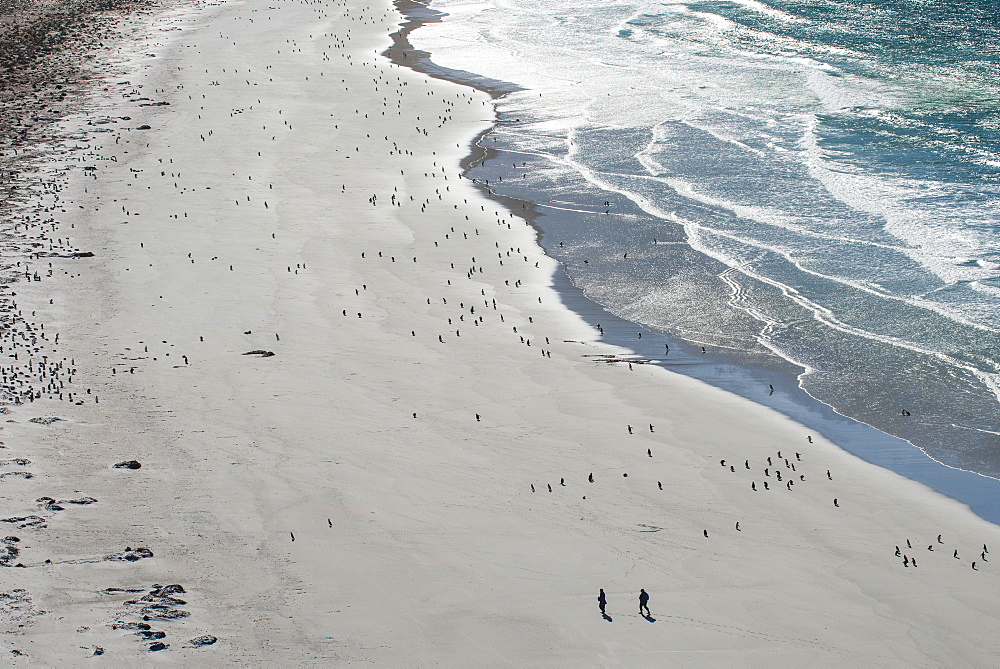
(602, 601)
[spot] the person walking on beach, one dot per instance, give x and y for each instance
(643, 601)
(602, 601)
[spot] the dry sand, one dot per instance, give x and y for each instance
(405, 481)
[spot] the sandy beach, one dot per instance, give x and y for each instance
(355, 424)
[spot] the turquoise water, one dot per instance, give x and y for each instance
(797, 185)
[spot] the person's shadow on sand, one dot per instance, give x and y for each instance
(607, 617)
(649, 618)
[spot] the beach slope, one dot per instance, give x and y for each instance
(356, 424)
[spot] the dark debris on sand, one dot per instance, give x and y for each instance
(158, 606)
(129, 555)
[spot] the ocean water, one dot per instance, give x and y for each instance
(806, 186)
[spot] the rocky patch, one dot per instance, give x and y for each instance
(159, 606)
(129, 555)
(9, 551)
(45, 420)
(26, 521)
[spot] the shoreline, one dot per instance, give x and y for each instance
(980, 492)
(403, 54)
(366, 428)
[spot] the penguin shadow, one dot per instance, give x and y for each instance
(607, 617)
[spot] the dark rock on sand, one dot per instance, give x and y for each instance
(23, 475)
(152, 634)
(166, 590)
(129, 626)
(161, 600)
(45, 420)
(129, 555)
(158, 646)
(203, 640)
(25, 521)
(261, 352)
(73, 254)
(162, 612)
(144, 127)
(49, 504)
(128, 464)
(8, 554)
(80, 500)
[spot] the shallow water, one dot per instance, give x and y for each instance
(800, 186)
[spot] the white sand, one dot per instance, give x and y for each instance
(417, 541)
